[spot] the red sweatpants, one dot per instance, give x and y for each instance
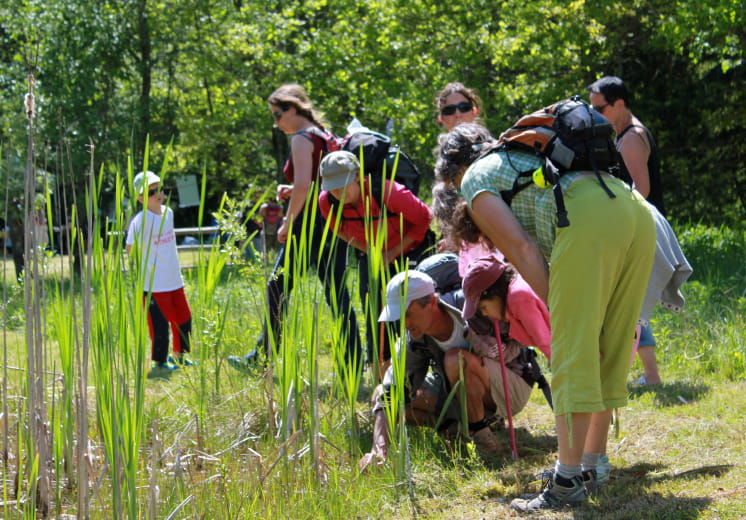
(164, 309)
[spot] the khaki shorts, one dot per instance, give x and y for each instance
(517, 388)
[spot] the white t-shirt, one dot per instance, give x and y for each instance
(156, 242)
(457, 339)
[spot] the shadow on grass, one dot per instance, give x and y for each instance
(530, 447)
(628, 494)
(670, 394)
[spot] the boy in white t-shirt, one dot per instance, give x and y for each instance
(151, 234)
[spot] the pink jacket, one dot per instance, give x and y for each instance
(528, 317)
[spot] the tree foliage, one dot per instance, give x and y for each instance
(197, 73)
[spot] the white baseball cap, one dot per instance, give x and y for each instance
(147, 178)
(418, 285)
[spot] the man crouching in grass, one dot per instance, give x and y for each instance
(437, 337)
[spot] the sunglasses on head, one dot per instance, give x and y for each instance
(463, 107)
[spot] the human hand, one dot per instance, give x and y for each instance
(376, 458)
(282, 233)
(284, 191)
(389, 256)
(485, 347)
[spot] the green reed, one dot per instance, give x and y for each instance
(118, 343)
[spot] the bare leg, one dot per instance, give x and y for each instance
(649, 364)
(572, 455)
(477, 381)
(598, 432)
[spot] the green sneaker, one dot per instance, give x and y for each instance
(182, 361)
(161, 370)
(554, 496)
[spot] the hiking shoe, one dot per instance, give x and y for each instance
(590, 478)
(162, 370)
(182, 361)
(244, 364)
(603, 469)
(449, 430)
(496, 423)
(486, 444)
(554, 496)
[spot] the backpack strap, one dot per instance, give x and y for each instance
(518, 184)
(327, 138)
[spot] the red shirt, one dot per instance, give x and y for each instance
(404, 215)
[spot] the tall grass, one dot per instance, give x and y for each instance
(284, 442)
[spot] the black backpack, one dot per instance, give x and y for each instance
(443, 269)
(378, 156)
(568, 136)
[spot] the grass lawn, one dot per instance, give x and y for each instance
(213, 443)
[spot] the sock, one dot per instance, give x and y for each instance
(590, 461)
(563, 474)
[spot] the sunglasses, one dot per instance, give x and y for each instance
(277, 114)
(600, 109)
(463, 107)
(153, 191)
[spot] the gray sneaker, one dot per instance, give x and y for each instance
(590, 479)
(554, 496)
(244, 364)
(161, 370)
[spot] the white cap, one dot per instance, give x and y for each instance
(418, 286)
(147, 178)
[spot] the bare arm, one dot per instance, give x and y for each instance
(635, 151)
(351, 240)
(302, 150)
(390, 255)
(497, 221)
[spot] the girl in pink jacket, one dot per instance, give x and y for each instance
(494, 288)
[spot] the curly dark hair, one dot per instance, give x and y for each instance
(460, 147)
(453, 219)
(463, 227)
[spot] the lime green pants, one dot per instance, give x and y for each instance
(599, 268)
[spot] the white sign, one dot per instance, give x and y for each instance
(188, 191)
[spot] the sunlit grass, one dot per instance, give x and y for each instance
(284, 441)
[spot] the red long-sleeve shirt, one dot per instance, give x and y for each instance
(405, 215)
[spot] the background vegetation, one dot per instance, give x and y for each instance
(197, 72)
(91, 437)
